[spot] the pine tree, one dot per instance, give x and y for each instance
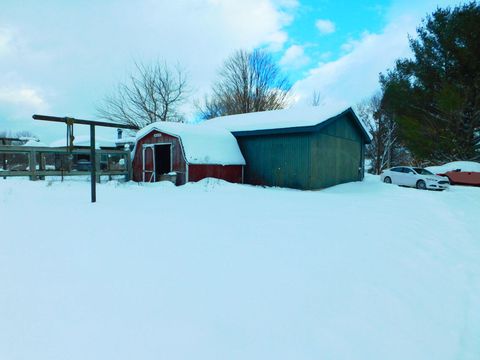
(435, 97)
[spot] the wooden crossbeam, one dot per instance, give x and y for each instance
(92, 123)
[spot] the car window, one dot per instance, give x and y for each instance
(423, 171)
(397, 169)
(408, 171)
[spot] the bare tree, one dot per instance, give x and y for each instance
(385, 150)
(22, 136)
(26, 134)
(211, 108)
(248, 82)
(154, 93)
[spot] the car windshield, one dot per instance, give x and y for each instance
(422, 171)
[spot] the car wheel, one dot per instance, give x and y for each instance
(421, 185)
(387, 180)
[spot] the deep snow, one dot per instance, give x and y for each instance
(221, 271)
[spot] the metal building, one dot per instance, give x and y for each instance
(299, 148)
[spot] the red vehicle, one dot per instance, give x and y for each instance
(458, 177)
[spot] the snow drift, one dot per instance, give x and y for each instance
(358, 271)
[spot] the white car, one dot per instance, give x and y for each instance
(414, 177)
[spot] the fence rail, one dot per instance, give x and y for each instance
(38, 162)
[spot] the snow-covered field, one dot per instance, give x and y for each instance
(221, 271)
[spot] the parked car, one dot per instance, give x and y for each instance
(83, 165)
(458, 177)
(414, 177)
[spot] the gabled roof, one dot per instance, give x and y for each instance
(294, 120)
(201, 145)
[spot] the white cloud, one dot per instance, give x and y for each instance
(294, 57)
(25, 97)
(77, 67)
(325, 26)
(355, 75)
(251, 22)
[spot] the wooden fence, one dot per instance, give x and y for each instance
(38, 162)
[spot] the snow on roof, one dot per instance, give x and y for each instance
(126, 140)
(202, 145)
(33, 142)
(277, 119)
(84, 140)
(467, 166)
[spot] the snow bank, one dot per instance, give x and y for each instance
(214, 270)
(467, 166)
(201, 145)
(84, 140)
(276, 119)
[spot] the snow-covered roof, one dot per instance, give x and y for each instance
(126, 140)
(278, 119)
(201, 144)
(467, 166)
(84, 140)
(33, 142)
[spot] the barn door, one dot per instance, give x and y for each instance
(148, 169)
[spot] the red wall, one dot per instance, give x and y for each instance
(178, 164)
(231, 173)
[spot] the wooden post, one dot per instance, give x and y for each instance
(32, 163)
(98, 161)
(92, 124)
(129, 169)
(41, 164)
(93, 165)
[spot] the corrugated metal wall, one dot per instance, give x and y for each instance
(311, 160)
(276, 160)
(336, 153)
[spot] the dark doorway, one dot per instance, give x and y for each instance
(163, 160)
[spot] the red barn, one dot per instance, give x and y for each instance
(186, 152)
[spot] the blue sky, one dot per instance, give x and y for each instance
(337, 27)
(62, 57)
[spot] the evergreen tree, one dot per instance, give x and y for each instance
(435, 97)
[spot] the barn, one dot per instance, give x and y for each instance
(310, 148)
(182, 152)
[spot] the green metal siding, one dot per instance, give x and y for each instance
(312, 160)
(344, 128)
(336, 153)
(276, 160)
